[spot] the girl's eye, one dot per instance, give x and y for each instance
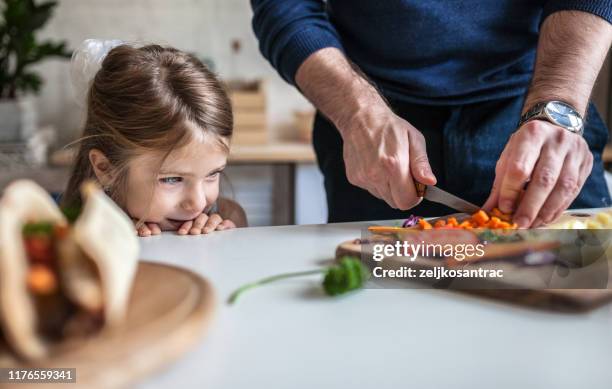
(213, 176)
(171, 180)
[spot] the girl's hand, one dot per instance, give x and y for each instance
(148, 229)
(205, 224)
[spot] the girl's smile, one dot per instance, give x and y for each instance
(186, 185)
(156, 138)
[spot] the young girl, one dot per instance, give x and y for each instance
(156, 138)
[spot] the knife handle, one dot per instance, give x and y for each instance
(420, 188)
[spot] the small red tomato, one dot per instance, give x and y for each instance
(39, 248)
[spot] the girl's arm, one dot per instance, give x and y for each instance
(229, 209)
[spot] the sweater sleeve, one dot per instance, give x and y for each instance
(601, 8)
(290, 30)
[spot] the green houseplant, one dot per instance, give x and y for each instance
(19, 50)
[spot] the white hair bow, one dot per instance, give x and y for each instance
(86, 61)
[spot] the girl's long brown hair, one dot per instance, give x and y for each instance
(147, 99)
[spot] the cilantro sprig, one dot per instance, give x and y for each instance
(349, 274)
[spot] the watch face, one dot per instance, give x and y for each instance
(564, 115)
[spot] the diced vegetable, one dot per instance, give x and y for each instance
(424, 224)
(41, 280)
(440, 223)
(40, 228)
(39, 248)
(480, 219)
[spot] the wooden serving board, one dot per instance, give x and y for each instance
(170, 309)
(571, 300)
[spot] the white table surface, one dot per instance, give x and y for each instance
(290, 335)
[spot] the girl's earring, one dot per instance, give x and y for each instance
(106, 189)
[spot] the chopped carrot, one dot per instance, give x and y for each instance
(502, 216)
(41, 280)
(493, 222)
(424, 224)
(480, 217)
(465, 224)
(440, 223)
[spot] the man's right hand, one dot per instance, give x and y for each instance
(382, 152)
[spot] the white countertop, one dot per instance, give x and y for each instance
(290, 335)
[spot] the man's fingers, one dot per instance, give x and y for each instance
(374, 181)
(500, 169)
(400, 182)
(544, 179)
(565, 191)
(493, 198)
(419, 163)
(185, 227)
(584, 172)
(522, 157)
(414, 166)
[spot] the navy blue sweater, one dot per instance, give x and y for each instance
(424, 51)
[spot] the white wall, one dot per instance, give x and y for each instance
(205, 27)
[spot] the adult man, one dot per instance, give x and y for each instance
(449, 82)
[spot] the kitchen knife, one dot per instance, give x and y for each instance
(437, 195)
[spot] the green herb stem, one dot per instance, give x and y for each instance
(234, 296)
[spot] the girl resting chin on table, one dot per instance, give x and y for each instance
(156, 137)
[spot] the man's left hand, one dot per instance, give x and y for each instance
(555, 163)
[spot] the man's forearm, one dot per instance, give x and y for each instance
(571, 50)
(329, 81)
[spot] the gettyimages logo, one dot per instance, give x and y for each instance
(518, 259)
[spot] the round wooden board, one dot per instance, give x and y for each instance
(170, 309)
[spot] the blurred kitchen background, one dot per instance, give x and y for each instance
(272, 171)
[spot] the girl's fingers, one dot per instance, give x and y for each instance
(198, 224)
(212, 223)
(184, 229)
(154, 228)
(226, 225)
(144, 230)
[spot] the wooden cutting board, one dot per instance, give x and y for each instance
(570, 300)
(170, 310)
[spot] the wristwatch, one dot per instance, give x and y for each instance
(558, 113)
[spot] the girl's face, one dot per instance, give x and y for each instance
(186, 185)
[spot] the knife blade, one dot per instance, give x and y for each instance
(437, 195)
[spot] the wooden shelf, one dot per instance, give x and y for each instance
(274, 152)
(289, 152)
